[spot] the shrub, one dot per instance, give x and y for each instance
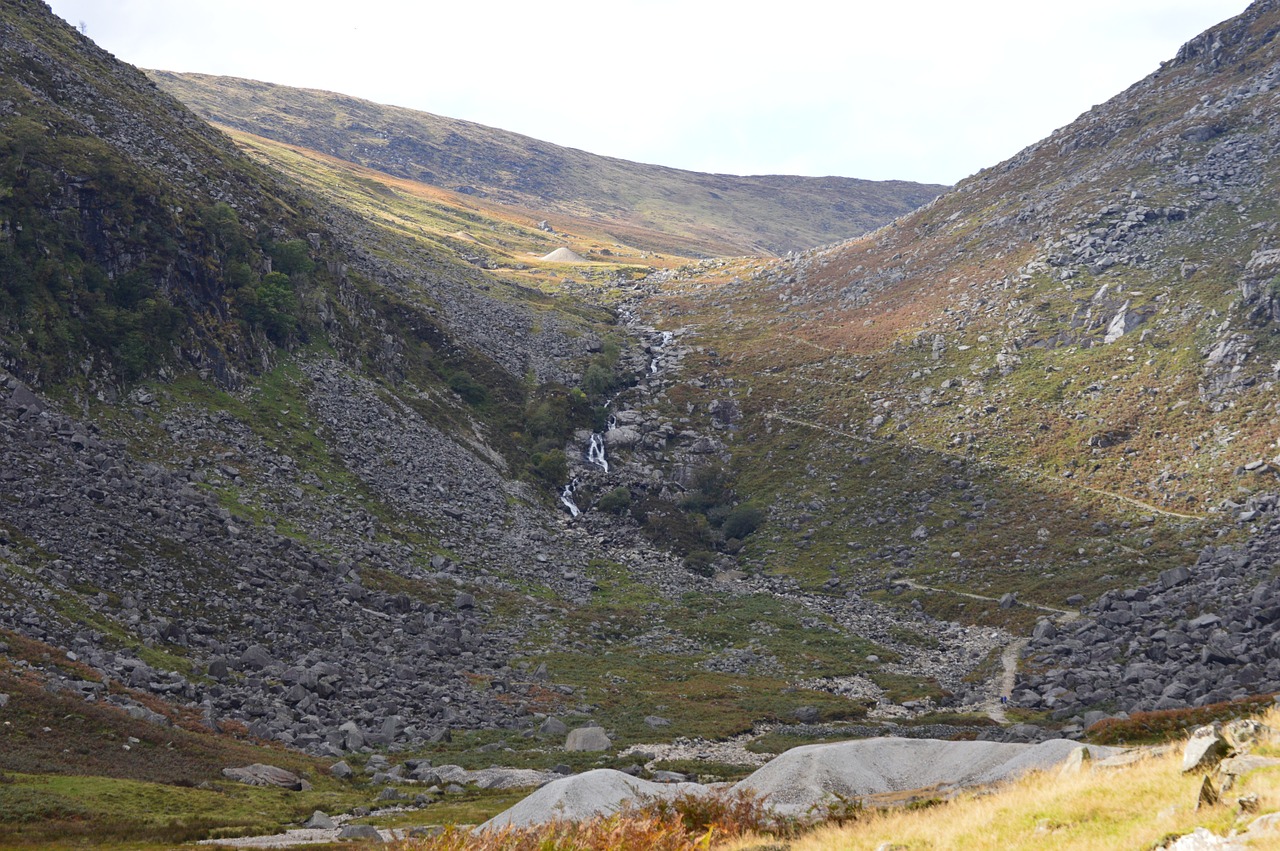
(631, 831)
(838, 808)
(472, 392)
(597, 380)
(700, 562)
(615, 501)
(724, 815)
(709, 489)
(742, 521)
(271, 305)
(551, 467)
(292, 258)
(1165, 724)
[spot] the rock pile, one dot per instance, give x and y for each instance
(1201, 634)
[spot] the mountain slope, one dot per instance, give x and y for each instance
(692, 212)
(1057, 378)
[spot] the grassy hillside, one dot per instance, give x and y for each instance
(505, 241)
(653, 207)
(1143, 805)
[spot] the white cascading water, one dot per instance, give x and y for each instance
(595, 451)
(566, 497)
(595, 446)
(667, 339)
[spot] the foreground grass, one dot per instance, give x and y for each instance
(69, 811)
(1098, 810)
(1140, 806)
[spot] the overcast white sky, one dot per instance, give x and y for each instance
(925, 90)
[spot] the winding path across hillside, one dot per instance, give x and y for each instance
(1026, 471)
(995, 708)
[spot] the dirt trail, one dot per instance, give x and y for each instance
(1012, 468)
(1012, 653)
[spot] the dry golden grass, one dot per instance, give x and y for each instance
(1139, 806)
(1135, 807)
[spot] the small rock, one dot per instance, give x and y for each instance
(320, 821)
(360, 831)
(553, 727)
(587, 739)
(1205, 747)
(1208, 796)
(1075, 761)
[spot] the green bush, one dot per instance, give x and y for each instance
(742, 521)
(472, 392)
(597, 380)
(709, 489)
(292, 258)
(276, 305)
(551, 467)
(700, 562)
(616, 501)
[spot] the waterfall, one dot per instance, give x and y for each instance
(595, 451)
(668, 338)
(611, 423)
(566, 498)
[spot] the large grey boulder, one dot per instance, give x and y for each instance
(259, 774)
(320, 821)
(24, 400)
(584, 796)
(587, 739)
(622, 437)
(352, 736)
(256, 657)
(360, 831)
(806, 776)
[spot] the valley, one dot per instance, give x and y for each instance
(335, 434)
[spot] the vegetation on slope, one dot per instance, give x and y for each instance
(941, 399)
(663, 209)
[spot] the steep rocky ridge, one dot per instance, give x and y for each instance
(1056, 379)
(687, 211)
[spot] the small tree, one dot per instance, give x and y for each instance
(742, 521)
(276, 304)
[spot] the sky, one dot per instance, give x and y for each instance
(912, 90)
